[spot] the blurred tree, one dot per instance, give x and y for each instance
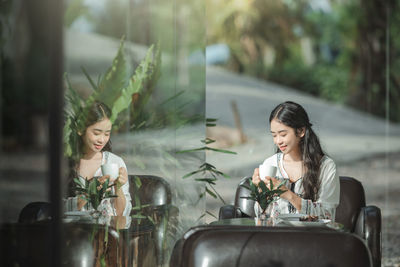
(248, 27)
(354, 47)
(370, 65)
(74, 10)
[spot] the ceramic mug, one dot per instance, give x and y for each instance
(267, 170)
(110, 169)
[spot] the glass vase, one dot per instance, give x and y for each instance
(263, 217)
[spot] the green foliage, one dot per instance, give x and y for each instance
(321, 80)
(116, 89)
(343, 53)
(93, 191)
(75, 9)
(207, 173)
(137, 210)
(262, 194)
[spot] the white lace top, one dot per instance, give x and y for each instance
(329, 192)
(106, 206)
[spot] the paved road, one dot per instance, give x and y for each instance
(345, 133)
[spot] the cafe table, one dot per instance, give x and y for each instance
(278, 222)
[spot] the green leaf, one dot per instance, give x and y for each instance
(94, 86)
(191, 173)
(114, 79)
(78, 182)
(173, 97)
(134, 86)
(191, 150)
(262, 185)
(207, 180)
(245, 186)
(138, 216)
(208, 141)
(138, 182)
(93, 187)
(211, 193)
(78, 189)
(209, 213)
(207, 166)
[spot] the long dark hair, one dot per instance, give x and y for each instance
(294, 115)
(97, 112)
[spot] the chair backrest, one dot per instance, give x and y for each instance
(241, 246)
(34, 212)
(149, 189)
(246, 206)
(352, 199)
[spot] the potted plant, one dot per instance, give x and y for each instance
(93, 191)
(263, 196)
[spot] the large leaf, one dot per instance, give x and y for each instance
(114, 79)
(134, 86)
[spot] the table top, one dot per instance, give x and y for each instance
(120, 223)
(276, 223)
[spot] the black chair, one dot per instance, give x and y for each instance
(240, 246)
(28, 244)
(151, 197)
(35, 212)
(365, 221)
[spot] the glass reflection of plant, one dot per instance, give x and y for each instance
(93, 191)
(209, 173)
(116, 89)
(262, 194)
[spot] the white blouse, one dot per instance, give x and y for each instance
(106, 205)
(329, 192)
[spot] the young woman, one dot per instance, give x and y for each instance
(312, 182)
(94, 150)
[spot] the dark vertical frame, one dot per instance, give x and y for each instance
(55, 30)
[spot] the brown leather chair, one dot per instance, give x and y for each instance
(240, 246)
(365, 221)
(151, 196)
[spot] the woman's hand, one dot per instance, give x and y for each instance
(121, 179)
(256, 177)
(288, 195)
(275, 183)
(120, 201)
(102, 179)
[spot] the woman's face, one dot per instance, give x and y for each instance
(97, 135)
(285, 137)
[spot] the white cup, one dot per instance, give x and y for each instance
(110, 169)
(267, 170)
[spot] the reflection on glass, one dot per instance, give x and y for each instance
(137, 58)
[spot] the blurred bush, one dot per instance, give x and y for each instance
(321, 80)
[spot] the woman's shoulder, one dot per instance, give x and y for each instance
(328, 168)
(327, 162)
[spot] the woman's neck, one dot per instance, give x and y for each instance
(92, 155)
(294, 156)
